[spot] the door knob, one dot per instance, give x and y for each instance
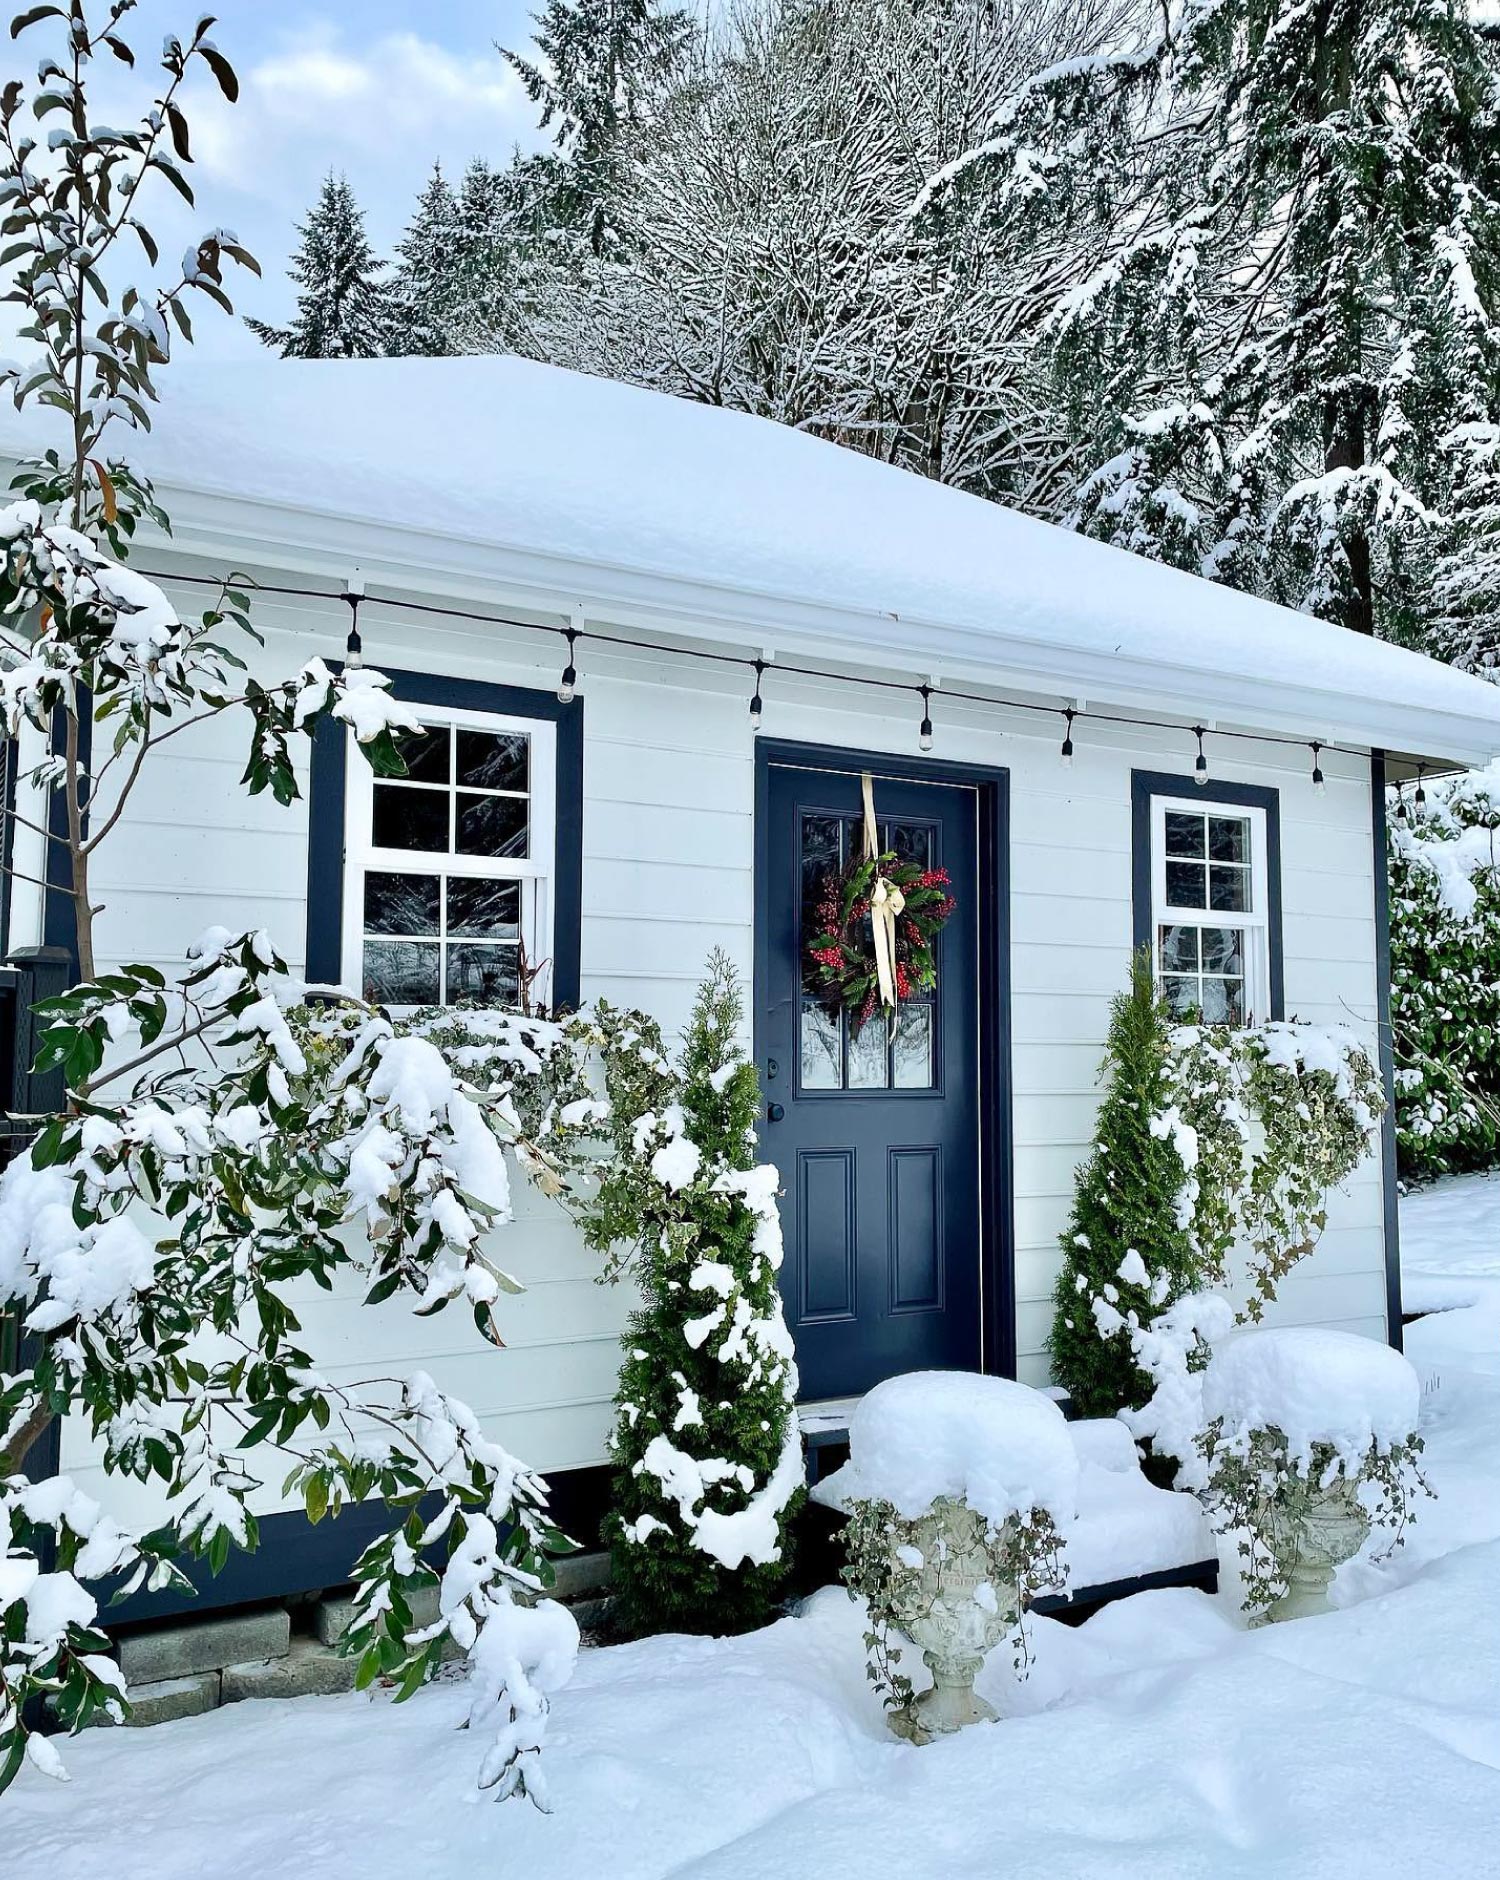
(774, 1112)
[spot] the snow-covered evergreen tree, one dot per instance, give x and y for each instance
(426, 286)
(1465, 626)
(1307, 301)
(343, 306)
(708, 1454)
(598, 60)
(1127, 1252)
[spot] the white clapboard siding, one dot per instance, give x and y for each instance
(668, 875)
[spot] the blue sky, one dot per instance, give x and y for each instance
(375, 88)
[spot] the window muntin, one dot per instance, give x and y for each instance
(448, 869)
(1209, 899)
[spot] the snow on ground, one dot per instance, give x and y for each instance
(1161, 1739)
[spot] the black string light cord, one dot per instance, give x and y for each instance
(744, 662)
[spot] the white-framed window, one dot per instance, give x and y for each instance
(1210, 931)
(448, 888)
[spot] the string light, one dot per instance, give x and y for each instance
(1067, 743)
(1401, 815)
(1420, 799)
(355, 592)
(569, 678)
(354, 649)
(756, 706)
(924, 735)
(1317, 779)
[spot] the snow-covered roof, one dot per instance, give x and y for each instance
(547, 481)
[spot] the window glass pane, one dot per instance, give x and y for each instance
(1222, 950)
(1181, 996)
(1228, 890)
(1184, 833)
(488, 910)
(401, 903)
(491, 825)
(1185, 884)
(1224, 1001)
(494, 760)
(868, 1066)
(427, 755)
(914, 1048)
(1179, 949)
(410, 819)
(401, 972)
(482, 975)
(822, 1049)
(1228, 839)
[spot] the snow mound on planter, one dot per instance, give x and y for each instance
(1315, 1386)
(1001, 1447)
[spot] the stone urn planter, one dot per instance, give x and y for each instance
(1310, 1443)
(1314, 1530)
(958, 1490)
(955, 1606)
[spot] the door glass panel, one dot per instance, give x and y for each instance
(869, 1054)
(913, 1052)
(822, 1049)
(909, 842)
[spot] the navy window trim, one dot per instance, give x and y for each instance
(1146, 784)
(326, 812)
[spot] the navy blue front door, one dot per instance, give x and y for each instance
(877, 1138)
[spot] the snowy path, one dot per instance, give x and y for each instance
(1161, 1739)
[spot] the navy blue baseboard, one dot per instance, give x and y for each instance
(296, 1558)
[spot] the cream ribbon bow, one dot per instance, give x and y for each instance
(886, 903)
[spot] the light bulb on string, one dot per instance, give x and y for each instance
(569, 678)
(1317, 776)
(1419, 800)
(1401, 815)
(1066, 753)
(1200, 768)
(924, 734)
(756, 704)
(354, 646)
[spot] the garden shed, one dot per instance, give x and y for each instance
(671, 656)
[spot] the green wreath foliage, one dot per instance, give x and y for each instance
(841, 953)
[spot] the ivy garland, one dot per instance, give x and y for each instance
(841, 954)
(1273, 1118)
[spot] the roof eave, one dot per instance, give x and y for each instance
(329, 545)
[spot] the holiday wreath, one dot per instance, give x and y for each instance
(875, 928)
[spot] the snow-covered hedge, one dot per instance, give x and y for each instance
(1445, 973)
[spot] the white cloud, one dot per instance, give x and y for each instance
(380, 111)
